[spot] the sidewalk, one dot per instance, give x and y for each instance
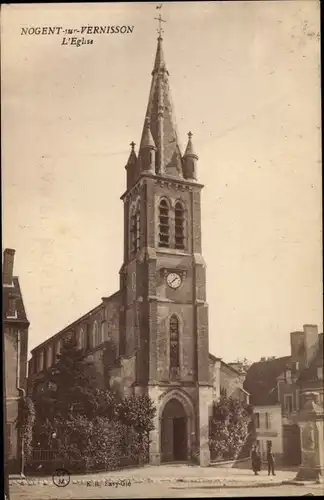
(222, 477)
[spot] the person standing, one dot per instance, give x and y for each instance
(270, 460)
(256, 460)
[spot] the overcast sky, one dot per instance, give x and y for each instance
(245, 79)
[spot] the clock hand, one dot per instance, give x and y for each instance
(175, 279)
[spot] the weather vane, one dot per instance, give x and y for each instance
(160, 30)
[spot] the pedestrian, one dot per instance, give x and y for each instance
(256, 460)
(270, 460)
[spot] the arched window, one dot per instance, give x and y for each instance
(49, 357)
(81, 339)
(95, 335)
(103, 331)
(58, 349)
(179, 226)
(135, 230)
(164, 230)
(174, 346)
(41, 361)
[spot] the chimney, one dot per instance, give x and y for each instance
(310, 342)
(297, 349)
(8, 263)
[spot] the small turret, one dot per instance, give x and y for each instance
(147, 149)
(190, 161)
(131, 166)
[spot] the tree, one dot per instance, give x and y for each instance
(71, 386)
(88, 426)
(230, 428)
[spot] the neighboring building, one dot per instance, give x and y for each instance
(227, 381)
(261, 383)
(280, 382)
(151, 337)
(268, 428)
(15, 328)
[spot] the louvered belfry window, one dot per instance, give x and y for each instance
(164, 229)
(179, 226)
(174, 345)
(135, 231)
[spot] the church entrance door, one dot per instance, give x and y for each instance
(174, 432)
(180, 439)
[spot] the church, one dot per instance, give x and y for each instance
(151, 336)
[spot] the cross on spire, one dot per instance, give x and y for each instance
(132, 144)
(160, 20)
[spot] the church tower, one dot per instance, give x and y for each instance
(164, 314)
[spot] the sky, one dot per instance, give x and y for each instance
(245, 79)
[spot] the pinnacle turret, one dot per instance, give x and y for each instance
(190, 159)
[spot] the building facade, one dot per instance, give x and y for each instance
(15, 330)
(227, 381)
(151, 337)
(268, 429)
(280, 383)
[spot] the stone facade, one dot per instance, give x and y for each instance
(15, 329)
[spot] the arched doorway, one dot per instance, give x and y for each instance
(174, 432)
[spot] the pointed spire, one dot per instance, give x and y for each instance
(162, 124)
(190, 149)
(159, 63)
(132, 156)
(190, 161)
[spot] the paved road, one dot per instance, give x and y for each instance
(82, 492)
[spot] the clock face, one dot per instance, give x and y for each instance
(173, 280)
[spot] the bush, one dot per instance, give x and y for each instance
(94, 427)
(91, 445)
(25, 422)
(230, 425)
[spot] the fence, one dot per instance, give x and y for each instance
(47, 461)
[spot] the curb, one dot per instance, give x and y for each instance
(313, 483)
(121, 481)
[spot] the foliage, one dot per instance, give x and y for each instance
(230, 428)
(92, 444)
(25, 422)
(137, 412)
(72, 382)
(93, 427)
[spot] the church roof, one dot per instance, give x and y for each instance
(160, 112)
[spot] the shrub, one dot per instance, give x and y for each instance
(91, 445)
(230, 427)
(25, 422)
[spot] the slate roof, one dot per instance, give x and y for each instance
(15, 291)
(261, 380)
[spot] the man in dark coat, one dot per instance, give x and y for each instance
(270, 460)
(256, 460)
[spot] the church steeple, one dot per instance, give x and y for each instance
(162, 123)
(159, 150)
